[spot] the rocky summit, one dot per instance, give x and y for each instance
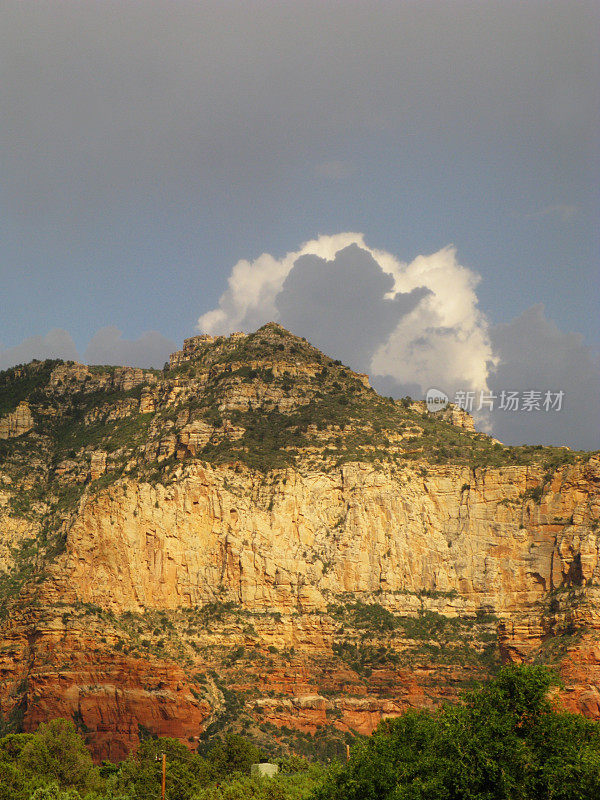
(252, 539)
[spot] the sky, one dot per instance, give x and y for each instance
(412, 186)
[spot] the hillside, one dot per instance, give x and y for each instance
(253, 539)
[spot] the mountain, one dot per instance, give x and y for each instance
(253, 540)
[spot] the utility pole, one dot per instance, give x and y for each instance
(164, 775)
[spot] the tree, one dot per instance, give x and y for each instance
(140, 775)
(52, 791)
(57, 750)
(233, 754)
(504, 742)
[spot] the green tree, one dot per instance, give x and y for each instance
(233, 754)
(56, 750)
(12, 776)
(140, 775)
(504, 742)
(282, 787)
(52, 791)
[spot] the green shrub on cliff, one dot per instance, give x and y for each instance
(24, 382)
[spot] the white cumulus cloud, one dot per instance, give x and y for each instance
(252, 287)
(412, 325)
(444, 340)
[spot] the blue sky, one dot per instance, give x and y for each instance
(149, 147)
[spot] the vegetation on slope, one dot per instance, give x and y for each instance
(292, 404)
(53, 764)
(269, 400)
(503, 742)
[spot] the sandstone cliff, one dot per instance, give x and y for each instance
(255, 539)
(16, 423)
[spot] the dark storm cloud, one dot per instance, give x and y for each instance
(535, 355)
(56, 344)
(388, 386)
(341, 305)
(113, 110)
(104, 101)
(107, 346)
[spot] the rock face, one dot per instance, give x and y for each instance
(451, 413)
(257, 541)
(294, 543)
(196, 345)
(17, 423)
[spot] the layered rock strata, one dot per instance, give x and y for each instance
(254, 540)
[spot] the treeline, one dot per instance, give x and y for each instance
(505, 741)
(54, 764)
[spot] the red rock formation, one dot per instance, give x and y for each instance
(174, 593)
